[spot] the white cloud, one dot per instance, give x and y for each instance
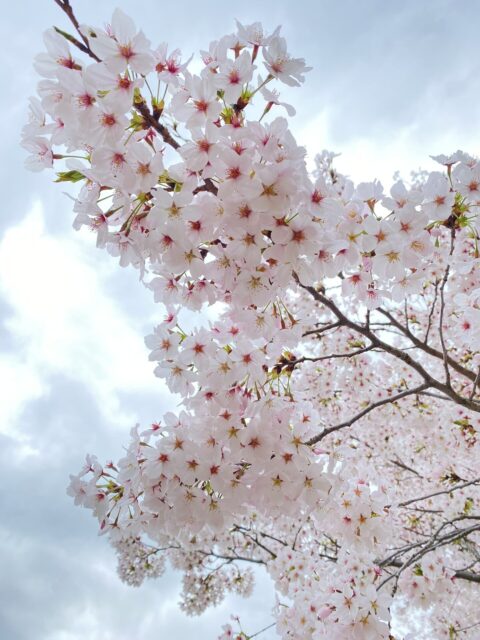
(19, 385)
(63, 320)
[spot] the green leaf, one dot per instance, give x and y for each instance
(70, 176)
(468, 506)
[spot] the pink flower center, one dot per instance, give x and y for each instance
(124, 83)
(126, 51)
(298, 235)
(66, 62)
(201, 105)
(173, 66)
(118, 159)
(108, 120)
(204, 145)
(233, 173)
(86, 100)
(234, 77)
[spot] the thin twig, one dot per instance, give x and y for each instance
(435, 543)
(460, 575)
(442, 312)
(334, 325)
(475, 383)
(402, 465)
(430, 315)
(427, 348)
(329, 357)
(363, 413)
(388, 348)
(262, 630)
(439, 493)
(66, 7)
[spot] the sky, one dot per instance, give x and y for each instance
(392, 82)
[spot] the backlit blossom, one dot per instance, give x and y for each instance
(321, 338)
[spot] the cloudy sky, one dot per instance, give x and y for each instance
(392, 83)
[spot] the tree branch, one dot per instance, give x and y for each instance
(363, 413)
(388, 348)
(442, 312)
(426, 348)
(66, 7)
(439, 493)
(334, 325)
(460, 575)
(430, 315)
(426, 546)
(329, 357)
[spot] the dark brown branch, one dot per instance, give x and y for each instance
(388, 348)
(150, 120)
(311, 332)
(208, 185)
(436, 395)
(430, 315)
(475, 384)
(329, 357)
(248, 532)
(425, 347)
(442, 312)
(460, 575)
(433, 543)
(254, 538)
(231, 558)
(404, 466)
(439, 493)
(85, 47)
(371, 407)
(141, 106)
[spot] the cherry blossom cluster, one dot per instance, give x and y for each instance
(202, 590)
(137, 561)
(330, 410)
(342, 606)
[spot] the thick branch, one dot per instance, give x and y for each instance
(153, 122)
(475, 384)
(427, 348)
(388, 348)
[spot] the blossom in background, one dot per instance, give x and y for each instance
(342, 360)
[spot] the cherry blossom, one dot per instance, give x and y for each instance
(328, 422)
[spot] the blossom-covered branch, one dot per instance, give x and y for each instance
(329, 413)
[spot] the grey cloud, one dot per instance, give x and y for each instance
(378, 67)
(383, 66)
(58, 577)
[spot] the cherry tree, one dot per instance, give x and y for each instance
(329, 418)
